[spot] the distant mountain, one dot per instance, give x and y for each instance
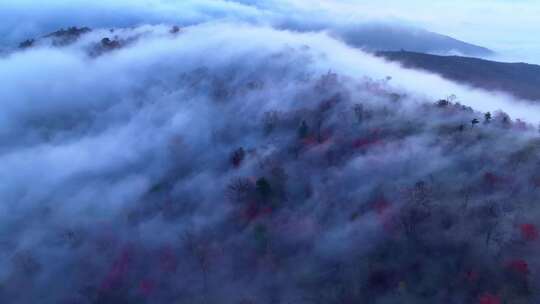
(61, 37)
(371, 37)
(394, 38)
(109, 41)
(519, 79)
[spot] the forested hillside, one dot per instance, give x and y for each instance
(165, 168)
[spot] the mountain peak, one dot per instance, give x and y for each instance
(385, 37)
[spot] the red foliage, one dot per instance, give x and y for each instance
(529, 232)
(118, 271)
(265, 211)
(313, 140)
(309, 141)
(496, 180)
(364, 142)
(471, 276)
(488, 298)
(492, 179)
(252, 211)
(147, 287)
(519, 266)
(381, 205)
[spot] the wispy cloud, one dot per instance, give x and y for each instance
(238, 160)
(508, 27)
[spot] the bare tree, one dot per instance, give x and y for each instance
(239, 189)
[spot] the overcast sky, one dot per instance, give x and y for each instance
(508, 26)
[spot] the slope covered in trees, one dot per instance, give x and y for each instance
(379, 37)
(255, 176)
(519, 79)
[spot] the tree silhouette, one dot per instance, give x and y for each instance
(303, 130)
(487, 117)
(359, 112)
(27, 44)
(237, 157)
(175, 29)
(263, 188)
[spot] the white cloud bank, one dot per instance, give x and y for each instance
(509, 27)
(88, 145)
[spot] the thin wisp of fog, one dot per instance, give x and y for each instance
(272, 152)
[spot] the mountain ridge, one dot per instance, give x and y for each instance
(394, 38)
(520, 79)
